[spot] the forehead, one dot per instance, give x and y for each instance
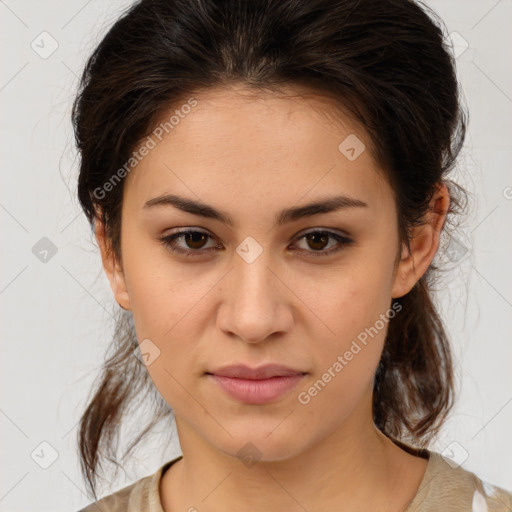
(282, 145)
(280, 115)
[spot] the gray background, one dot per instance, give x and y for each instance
(56, 306)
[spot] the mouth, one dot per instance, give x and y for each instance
(242, 371)
(256, 386)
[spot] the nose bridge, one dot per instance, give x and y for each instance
(254, 308)
(251, 265)
(254, 281)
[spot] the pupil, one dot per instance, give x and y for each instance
(196, 237)
(323, 237)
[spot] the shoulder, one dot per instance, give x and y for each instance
(124, 500)
(141, 496)
(451, 488)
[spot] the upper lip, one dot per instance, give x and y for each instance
(267, 371)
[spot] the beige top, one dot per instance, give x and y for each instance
(443, 488)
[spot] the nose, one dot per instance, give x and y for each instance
(255, 301)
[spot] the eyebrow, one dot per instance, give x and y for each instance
(288, 215)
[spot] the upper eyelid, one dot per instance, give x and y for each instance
(300, 234)
(332, 232)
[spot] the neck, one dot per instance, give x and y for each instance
(356, 465)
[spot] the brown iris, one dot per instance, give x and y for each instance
(321, 238)
(195, 237)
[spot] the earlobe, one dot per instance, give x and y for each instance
(112, 267)
(424, 243)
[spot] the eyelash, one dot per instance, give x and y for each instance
(168, 240)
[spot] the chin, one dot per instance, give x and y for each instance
(253, 445)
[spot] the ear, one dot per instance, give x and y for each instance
(423, 244)
(112, 267)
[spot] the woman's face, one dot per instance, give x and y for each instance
(258, 290)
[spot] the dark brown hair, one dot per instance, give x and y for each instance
(384, 61)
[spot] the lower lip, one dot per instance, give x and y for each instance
(257, 392)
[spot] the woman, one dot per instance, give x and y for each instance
(267, 183)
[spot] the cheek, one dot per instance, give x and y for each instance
(347, 300)
(354, 309)
(163, 296)
(170, 313)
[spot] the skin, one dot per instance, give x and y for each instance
(252, 155)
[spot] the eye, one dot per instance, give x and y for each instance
(318, 240)
(196, 242)
(193, 238)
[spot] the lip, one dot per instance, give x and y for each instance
(256, 385)
(242, 371)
